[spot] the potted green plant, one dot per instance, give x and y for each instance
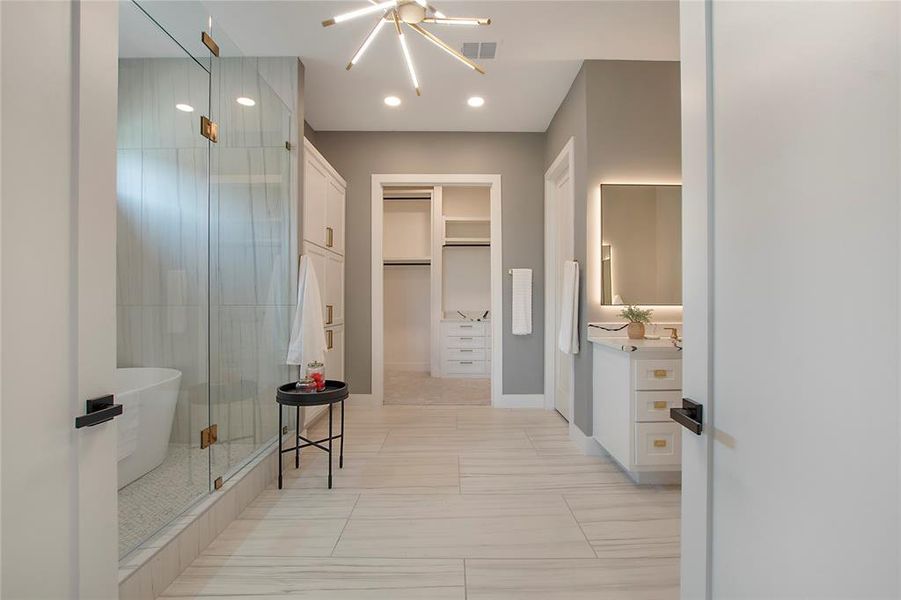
(637, 318)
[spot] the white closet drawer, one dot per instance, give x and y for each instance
(657, 374)
(654, 406)
(465, 329)
(465, 354)
(465, 342)
(464, 366)
(658, 444)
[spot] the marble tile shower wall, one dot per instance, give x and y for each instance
(204, 247)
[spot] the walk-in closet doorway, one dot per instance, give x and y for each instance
(437, 289)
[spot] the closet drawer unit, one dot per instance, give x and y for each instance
(465, 329)
(654, 406)
(464, 342)
(464, 367)
(657, 374)
(465, 354)
(658, 444)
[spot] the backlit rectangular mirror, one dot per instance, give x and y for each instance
(641, 244)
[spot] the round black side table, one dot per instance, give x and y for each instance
(289, 395)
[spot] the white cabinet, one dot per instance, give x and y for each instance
(324, 198)
(633, 392)
(465, 348)
(323, 232)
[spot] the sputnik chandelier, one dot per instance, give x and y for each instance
(412, 14)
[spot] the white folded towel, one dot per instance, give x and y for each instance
(522, 301)
(568, 340)
(308, 331)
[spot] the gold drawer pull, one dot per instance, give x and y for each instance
(659, 404)
(660, 443)
(329, 237)
(659, 373)
(329, 339)
(329, 311)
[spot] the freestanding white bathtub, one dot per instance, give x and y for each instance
(148, 397)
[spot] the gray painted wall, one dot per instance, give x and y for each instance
(625, 117)
(518, 157)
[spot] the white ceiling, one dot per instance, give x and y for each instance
(540, 47)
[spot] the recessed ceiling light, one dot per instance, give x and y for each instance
(243, 101)
(184, 107)
(392, 101)
(476, 101)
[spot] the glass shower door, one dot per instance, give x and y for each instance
(162, 286)
(251, 245)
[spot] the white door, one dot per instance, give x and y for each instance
(792, 490)
(59, 485)
(559, 247)
(563, 363)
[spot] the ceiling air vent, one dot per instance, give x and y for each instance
(479, 50)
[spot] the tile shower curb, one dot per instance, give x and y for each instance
(149, 569)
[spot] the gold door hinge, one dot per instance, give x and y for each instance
(209, 43)
(209, 436)
(209, 129)
(218, 483)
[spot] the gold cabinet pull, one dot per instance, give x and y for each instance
(659, 373)
(329, 339)
(660, 443)
(659, 404)
(329, 237)
(329, 311)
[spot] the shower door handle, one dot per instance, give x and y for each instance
(97, 411)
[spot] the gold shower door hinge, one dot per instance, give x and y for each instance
(209, 436)
(209, 42)
(209, 129)
(218, 483)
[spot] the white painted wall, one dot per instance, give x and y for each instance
(806, 207)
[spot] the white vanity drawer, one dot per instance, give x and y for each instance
(465, 342)
(657, 374)
(464, 366)
(464, 328)
(658, 444)
(654, 406)
(465, 354)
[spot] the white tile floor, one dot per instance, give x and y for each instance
(448, 502)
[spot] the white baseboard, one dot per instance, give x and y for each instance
(423, 367)
(520, 401)
(364, 400)
(587, 444)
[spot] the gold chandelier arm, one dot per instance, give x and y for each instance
(406, 51)
(437, 41)
(457, 21)
(369, 39)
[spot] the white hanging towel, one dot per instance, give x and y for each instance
(522, 301)
(308, 331)
(568, 340)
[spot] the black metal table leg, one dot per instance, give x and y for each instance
(279, 446)
(341, 456)
(297, 439)
(330, 437)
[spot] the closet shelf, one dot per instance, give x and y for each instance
(419, 260)
(460, 241)
(467, 220)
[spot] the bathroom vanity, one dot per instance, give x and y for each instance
(636, 382)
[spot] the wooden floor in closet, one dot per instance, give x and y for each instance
(440, 502)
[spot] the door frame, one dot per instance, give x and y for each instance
(563, 165)
(379, 182)
(697, 293)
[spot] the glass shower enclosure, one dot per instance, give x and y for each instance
(204, 254)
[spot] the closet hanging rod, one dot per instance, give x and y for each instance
(407, 264)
